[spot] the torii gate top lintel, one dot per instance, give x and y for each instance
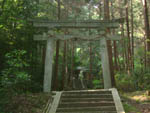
(79, 24)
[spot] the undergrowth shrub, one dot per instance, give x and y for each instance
(142, 79)
(14, 79)
(124, 82)
(15, 75)
(97, 84)
(138, 80)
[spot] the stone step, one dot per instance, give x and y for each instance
(87, 100)
(87, 92)
(87, 96)
(91, 112)
(85, 104)
(87, 109)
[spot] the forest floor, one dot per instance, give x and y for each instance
(28, 103)
(136, 102)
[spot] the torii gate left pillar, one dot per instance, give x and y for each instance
(48, 65)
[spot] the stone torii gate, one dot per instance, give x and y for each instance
(96, 24)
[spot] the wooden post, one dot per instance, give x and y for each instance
(105, 64)
(48, 65)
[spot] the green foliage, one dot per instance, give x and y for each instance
(5, 95)
(15, 48)
(138, 80)
(124, 82)
(15, 75)
(139, 77)
(97, 84)
(15, 78)
(129, 108)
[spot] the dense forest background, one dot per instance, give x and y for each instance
(22, 58)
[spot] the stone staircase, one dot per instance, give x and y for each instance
(87, 101)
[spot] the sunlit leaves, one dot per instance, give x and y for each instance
(15, 59)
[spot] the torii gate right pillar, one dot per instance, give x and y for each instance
(105, 64)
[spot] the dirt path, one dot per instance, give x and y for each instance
(30, 103)
(139, 101)
(141, 107)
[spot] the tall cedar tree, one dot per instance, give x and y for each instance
(114, 42)
(109, 45)
(128, 35)
(57, 53)
(147, 29)
(132, 33)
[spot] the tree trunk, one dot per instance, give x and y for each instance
(115, 56)
(67, 65)
(64, 66)
(100, 11)
(57, 53)
(43, 59)
(90, 47)
(128, 34)
(122, 41)
(147, 29)
(145, 50)
(72, 64)
(56, 66)
(91, 66)
(114, 42)
(132, 34)
(109, 45)
(69, 62)
(72, 60)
